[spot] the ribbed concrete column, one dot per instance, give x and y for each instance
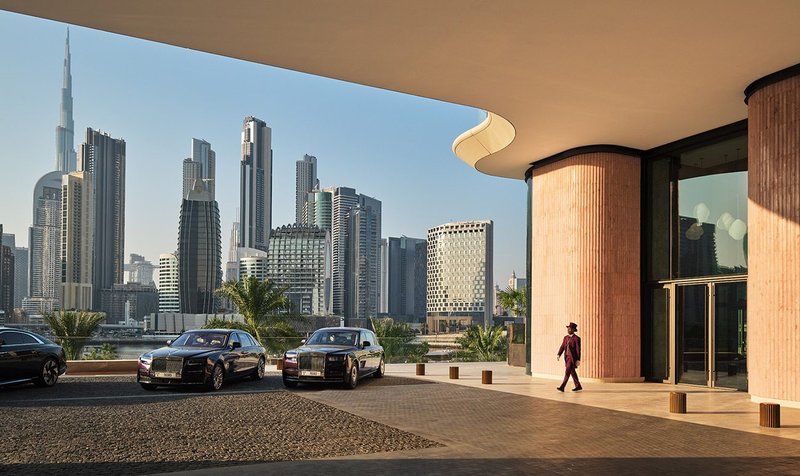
(585, 264)
(773, 281)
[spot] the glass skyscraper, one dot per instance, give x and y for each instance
(297, 258)
(199, 252)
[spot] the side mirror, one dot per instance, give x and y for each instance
(169, 342)
(302, 341)
(236, 345)
(366, 344)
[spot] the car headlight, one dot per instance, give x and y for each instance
(336, 358)
(145, 359)
(291, 358)
(198, 361)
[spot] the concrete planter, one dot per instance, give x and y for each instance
(99, 367)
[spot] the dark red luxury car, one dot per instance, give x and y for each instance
(334, 354)
(206, 357)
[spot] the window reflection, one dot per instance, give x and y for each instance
(712, 208)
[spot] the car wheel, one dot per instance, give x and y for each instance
(48, 373)
(352, 378)
(289, 383)
(148, 386)
(381, 370)
(214, 381)
(258, 373)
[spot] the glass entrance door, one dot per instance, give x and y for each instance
(711, 334)
(691, 311)
(730, 335)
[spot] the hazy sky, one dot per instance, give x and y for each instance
(387, 145)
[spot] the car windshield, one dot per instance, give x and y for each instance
(333, 338)
(214, 340)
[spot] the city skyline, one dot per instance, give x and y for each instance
(366, 154)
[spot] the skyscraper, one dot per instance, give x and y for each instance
(305, 181)
(44, 240)
(232, 265)
(255, 203)
(104, 158)
(199, 252)
(77, 241)
(460, 275)
(169, 299)
(317, 209)
(140, 270)
(20, 275)
(297, 259)
(6, 279)
(406, 276)
(344, 200)
(65, 131)
(200, 166)
(362, 285)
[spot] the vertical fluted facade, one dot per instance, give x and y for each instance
(773, 284)
(585, 264)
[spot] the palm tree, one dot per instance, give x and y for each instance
(265, 308)
(486, 343)
(398, 343)
(514, 300)
(72, 329)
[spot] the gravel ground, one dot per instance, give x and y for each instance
(110, 426)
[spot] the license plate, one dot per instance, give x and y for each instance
(310, 373)
(167, 375)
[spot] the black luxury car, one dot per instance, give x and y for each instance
(203, 357)
(29, 357)
(334, 354)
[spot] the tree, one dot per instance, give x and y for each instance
(484, 343)
(397, 340)
(266, 311)
(72, 329)
(514, 300)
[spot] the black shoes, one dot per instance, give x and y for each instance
(560, 389)
(576, 389)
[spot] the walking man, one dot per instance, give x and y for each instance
(571, 348)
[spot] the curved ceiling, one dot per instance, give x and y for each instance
(563, 74)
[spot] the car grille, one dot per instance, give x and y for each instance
(311, 362)
(168, 364)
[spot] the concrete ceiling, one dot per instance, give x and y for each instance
(554, 74)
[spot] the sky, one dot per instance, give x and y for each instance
(391, 146)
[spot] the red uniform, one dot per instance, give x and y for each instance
(571, 348)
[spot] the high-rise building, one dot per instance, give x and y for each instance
(407, 276)
(104, 158)
(516, 283)
(296, 259)
(44, 240)
(363, 265)
(254, 265)
(77, 241)
(20, 269)
(317, 210)
(232, 265)
(199, 252)
(169, 297)
(460, 275)
(140, 270)
(305, 181)
(128, 301)
(200, 166)
(383, 295)
(6, 279)
(344, 199)
(255, 202)
(65, 131)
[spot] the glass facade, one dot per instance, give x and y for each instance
(694, 250)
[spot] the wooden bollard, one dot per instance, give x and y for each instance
(769, 415)
(486, 377)
(454, 373)
(677, 402)
(420, 369)
(279, 364)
